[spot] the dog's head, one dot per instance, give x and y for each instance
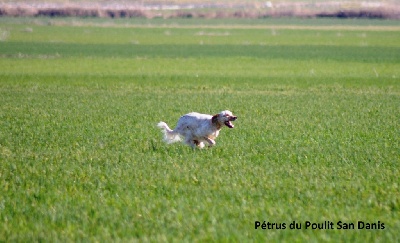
(224, 118)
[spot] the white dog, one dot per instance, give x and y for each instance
(196, 128)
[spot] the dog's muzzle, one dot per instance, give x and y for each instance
(229, 123)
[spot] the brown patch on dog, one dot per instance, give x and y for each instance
(214, 120)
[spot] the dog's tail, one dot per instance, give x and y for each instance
(169, 135)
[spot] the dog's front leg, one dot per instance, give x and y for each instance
(198, 143)
(210, 141)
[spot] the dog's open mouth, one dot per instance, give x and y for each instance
(229, 123)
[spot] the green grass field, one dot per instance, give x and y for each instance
(317, 138)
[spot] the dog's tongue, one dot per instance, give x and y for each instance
(229, 124)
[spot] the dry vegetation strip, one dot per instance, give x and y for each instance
(223, 26)
(208, 10)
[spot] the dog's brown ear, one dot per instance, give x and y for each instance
(214, 119)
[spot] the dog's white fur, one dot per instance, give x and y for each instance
(197, 129)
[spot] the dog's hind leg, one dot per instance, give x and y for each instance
(192, 143)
